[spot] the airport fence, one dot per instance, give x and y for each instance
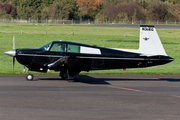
(87, 21)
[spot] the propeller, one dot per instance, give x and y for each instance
(12, 52)
(13, 49)
(13, 62)
(13, 42)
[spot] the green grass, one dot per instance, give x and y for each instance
(34, 36)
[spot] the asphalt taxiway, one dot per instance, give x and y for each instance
(97, 97)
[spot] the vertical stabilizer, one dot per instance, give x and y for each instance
(150, 44)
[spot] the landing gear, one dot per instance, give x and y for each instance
(63, 75)
(66, 76)
(29, 77)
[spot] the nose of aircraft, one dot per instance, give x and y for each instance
(11, 53)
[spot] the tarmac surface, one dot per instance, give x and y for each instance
(92, 97)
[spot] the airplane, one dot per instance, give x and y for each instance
(70, 58)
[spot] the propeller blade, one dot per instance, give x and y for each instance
(13, 62)
(13, 49)
(13, 42)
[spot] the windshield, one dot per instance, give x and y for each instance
(46, 46)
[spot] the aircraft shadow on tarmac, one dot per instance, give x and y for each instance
(84, 79)
(91, 80)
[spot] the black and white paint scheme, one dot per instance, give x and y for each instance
(70, 58)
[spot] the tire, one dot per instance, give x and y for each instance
(62, 75)
(29, 77)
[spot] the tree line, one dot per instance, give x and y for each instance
(160, 10)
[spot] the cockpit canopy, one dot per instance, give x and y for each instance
(59, 46)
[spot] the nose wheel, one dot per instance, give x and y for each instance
(29, 77)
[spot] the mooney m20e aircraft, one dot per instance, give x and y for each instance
(70, 58)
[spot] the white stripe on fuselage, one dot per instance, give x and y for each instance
(84, 57)
(39, 55)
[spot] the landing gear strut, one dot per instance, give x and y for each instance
(62, 75)
(66, 76)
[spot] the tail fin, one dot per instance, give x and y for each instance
(150, 43)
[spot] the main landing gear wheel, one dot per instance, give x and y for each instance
(29, 77)
(65, 76)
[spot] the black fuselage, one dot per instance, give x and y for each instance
(76, 61)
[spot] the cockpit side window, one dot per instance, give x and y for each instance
(73, 48)
(58, 47)
(46, 46)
